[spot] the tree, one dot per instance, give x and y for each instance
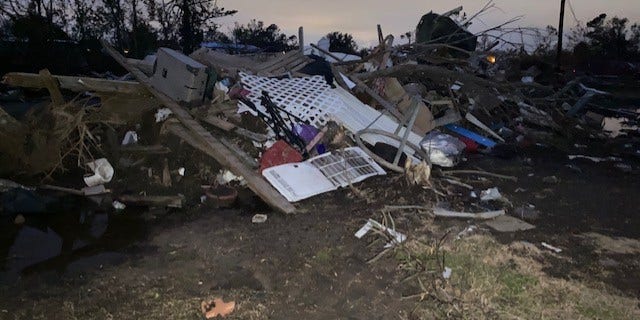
(268, 38)
(342, 42)
(186, 21)
(545, 41)
(607, 38)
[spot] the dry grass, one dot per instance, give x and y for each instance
(492, 281)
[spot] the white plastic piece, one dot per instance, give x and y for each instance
(130, 137)
(163, 114)
(324, 173)
(102, 172)
(181, 171)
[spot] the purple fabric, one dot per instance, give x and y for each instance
(306, 132)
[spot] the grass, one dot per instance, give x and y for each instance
(492, 281)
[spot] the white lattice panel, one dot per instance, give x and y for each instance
(308, 98)
(312, 100)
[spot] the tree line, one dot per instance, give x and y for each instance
(136, 26)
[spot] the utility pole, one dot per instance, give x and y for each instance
(560, 26)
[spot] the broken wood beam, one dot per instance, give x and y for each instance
(230, 127)
(216, 149)
(76, 84)
(52, 86)
(326, 52)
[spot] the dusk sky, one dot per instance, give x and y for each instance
(359, 17)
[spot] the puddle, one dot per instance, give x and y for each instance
(81, 237)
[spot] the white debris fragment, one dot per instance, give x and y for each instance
(181, 171)
(527, 79)
(163, 114)
(226, 176)
(259, 218)
(203, 199)
(466, 232)
(490, 194)
(130, 137)
(446, 273)
(118, 205)
(550, 247)
(102, 172)
(397, 236)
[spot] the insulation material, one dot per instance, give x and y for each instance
(326, 172)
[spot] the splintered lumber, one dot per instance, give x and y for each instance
(52, 85)
(216, 149)
(230, 127)
(76, 84)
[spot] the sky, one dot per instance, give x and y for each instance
(360, 17)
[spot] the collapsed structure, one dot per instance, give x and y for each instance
(303, 125)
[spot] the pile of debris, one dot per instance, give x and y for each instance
(300, 125)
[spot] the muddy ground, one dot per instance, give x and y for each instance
(160, 264)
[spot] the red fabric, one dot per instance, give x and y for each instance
(279, 153)
(470, 145)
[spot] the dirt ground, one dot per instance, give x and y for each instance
(160, 264)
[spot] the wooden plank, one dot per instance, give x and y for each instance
(267, 65)
(326, 52)
(77, 84)
(216, 149)
(219, 123)
(230, 127)
(52, 85)
(282, 64)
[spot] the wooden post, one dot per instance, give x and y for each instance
(52, 85)
(560, 26)
(380, 36)
(301, 39)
